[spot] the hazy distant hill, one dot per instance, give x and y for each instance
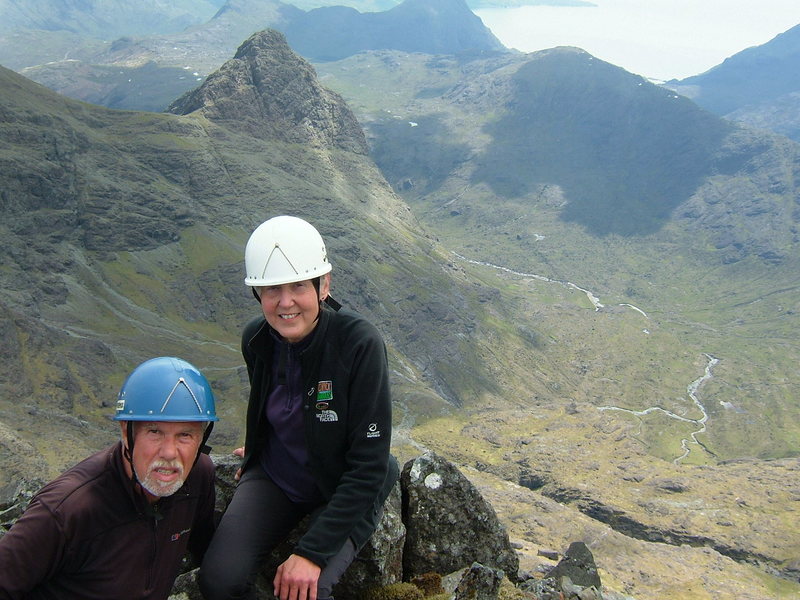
(105, 19)
(148, 72)
(429, 26)
(759, 86)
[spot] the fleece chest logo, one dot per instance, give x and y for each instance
(176, 536)
(324, 391)
(325, 414)
(373, 431)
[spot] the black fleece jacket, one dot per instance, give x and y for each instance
(348, 420)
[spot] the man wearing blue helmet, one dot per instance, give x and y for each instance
(118, 524)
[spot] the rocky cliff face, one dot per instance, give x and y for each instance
(269, 92)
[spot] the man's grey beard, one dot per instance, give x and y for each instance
(158, 488)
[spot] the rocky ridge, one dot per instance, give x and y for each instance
(437, 538)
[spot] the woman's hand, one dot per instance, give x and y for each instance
(240, 453)
(296, 579)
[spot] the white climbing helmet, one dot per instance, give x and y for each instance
(284, 250)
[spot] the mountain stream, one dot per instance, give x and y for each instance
(691, 389)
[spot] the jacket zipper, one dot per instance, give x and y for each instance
(153, 559)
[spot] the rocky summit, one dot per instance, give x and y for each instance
(269, 92)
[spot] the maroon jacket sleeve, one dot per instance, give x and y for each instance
(30, 552)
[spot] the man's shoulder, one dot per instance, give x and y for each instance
(83, 491)
(89, 474)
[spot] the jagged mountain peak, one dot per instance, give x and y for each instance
(268, 91)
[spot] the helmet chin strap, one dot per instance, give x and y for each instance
(204, 447)
(127, 451)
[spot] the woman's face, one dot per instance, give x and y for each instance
(291, 309)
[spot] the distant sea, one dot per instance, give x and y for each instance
(658, 39)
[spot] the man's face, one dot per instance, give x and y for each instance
(163, 454)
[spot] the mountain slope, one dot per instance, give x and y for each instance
(650, 245)
(124, 234)
(123, 238)
(758, 86)
(560, 166)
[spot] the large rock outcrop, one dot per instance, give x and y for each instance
(449, 524)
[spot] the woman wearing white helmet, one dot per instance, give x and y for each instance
(318, 426)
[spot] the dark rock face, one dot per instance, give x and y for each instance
(269, 92)
(476, 582)
(578, 565)
(629, 525)
(449, 524)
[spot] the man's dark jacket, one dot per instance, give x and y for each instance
(89, 535)
(348, 420)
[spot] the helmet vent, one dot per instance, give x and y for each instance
(272, 254)
(180, 381)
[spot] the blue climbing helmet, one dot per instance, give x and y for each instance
(165, 389)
